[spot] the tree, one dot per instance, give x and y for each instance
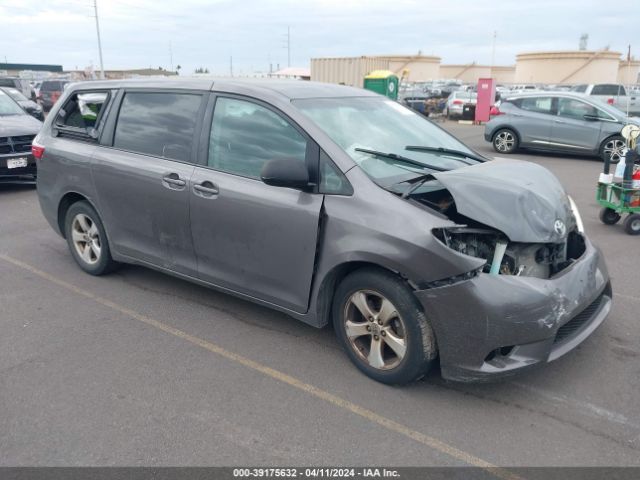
(178, 67)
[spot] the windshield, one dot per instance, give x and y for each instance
(8, 106)
(15, 94)
(382, 125)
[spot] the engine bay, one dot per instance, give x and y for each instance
(502, 256)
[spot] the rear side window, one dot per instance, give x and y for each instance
(82, 110)
(579, 88)
(245, 135)
(537, 104)
(158, 124)
(7, 82)
(608, 89)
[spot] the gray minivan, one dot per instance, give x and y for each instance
(331, 204)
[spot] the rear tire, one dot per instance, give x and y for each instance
(612, 148)
(87, 239)
(382, 327)
(609, 216)
(632, 224)
(505, 140)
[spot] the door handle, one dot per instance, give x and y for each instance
(205, 189)
(173, 180)
(560, 121)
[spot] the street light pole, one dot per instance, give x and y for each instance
(288, 46)
(95, 9)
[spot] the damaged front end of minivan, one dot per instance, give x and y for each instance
(543, 287)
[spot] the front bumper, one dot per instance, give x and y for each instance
(497, 325)
(11, 175)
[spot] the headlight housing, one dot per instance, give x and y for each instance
(576, 214)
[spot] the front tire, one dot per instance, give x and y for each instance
(87, 239)
(612, 148)
(382, 327)
(505, 141)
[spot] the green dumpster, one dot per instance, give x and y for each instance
(383, 82)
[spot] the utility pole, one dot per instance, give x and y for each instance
(493, 50)
(95, 9)
(288, 46)
(628, 78)
(231, 65)
(170, 55)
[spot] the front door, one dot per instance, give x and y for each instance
(250, 237)
(576, 127)
(142, 180)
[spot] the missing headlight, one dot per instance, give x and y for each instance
(511, 258)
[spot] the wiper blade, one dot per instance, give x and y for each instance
(416, 183)
(400, 158)
(457, 153)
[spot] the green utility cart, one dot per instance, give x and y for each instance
(383, 82)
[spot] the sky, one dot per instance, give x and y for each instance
(208, 33)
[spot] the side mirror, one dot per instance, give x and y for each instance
(286, 172)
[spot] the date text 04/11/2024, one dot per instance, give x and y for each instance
(317, 472)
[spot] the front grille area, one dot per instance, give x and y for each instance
(574, 325)
(19, 144)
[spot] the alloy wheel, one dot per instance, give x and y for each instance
(86, 239)
(375, 329)
(614, 149)
(504, 141)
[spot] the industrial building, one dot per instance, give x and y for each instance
(29, 70)
(564, 67)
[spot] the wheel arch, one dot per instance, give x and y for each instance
(607, 138)
(65, 203)
(335, 275)
(506, 127)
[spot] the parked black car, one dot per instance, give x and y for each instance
(29, 106)
(17, 130)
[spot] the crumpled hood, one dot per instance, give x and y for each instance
(521, 199)
(17, 125)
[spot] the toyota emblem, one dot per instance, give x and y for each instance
(560, 227)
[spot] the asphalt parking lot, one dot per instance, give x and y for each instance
(138, 368)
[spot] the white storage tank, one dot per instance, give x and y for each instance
(580, 66)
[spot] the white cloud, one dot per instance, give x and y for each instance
(137, 33)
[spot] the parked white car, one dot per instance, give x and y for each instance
(456, 101)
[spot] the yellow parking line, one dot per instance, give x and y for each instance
(279, 376)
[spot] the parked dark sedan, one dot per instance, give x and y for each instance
(29, 106)
(17, 130)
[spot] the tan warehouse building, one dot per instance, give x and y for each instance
(564, 67)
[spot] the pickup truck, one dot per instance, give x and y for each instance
(614, 94)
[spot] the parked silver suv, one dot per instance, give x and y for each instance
(331, 204)
(560, 122)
